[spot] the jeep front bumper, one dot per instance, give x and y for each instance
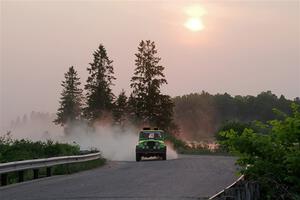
(150, 152)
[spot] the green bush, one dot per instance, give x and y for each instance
(272, 159)
(237, 126)
(24, 149)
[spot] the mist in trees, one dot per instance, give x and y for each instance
(195, 116)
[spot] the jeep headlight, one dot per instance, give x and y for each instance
(157, 145)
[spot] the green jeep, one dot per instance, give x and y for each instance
(151, 143)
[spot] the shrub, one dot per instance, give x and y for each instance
(24, 149)
(272, 159)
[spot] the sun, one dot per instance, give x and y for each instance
(194, 24)
(194, 15)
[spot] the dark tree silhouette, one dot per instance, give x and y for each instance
(71, 99)
(120, 111)
(147, 103)
(99, 97)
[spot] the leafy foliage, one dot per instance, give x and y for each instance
(147, 104)
(99, 97)
(24, 149)
(71, 100)
(272, 159)
(237, 126)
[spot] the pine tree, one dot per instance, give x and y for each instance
(120, 110)
(146, 101)
(71, 99)
(99, 94)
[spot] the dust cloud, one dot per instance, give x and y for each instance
(171, 153)
(115, 142)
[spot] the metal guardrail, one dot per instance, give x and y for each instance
(241, 189)
(35, 164)
(219, 194)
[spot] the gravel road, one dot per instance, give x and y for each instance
(188, 177)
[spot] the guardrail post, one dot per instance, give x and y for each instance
(35, 173)
(3, 179)
(48, 169)
(20, 176)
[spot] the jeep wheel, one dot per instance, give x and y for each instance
(164, 156)
(138, 157)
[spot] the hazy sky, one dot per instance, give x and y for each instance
(241, 47)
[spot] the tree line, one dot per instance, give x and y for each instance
(146, 105)
(201, 115)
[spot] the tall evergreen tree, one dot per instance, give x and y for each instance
(147, 103)
(71, 99)
(99, 95)
(120, 110)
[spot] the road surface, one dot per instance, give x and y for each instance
(188, 177)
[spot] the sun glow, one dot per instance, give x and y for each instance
(195, 14)
(194, 24)
(195, 11)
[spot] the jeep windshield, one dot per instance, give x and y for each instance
(151, 135)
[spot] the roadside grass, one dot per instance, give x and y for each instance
(57, 170)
